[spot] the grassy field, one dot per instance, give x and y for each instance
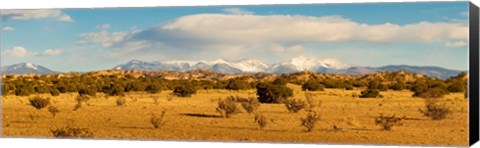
(196, 119)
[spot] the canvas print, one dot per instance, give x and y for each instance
(372, 73)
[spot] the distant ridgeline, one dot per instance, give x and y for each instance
(118, 82)
(294, 65)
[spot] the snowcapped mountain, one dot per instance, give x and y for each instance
(303, 63)
(296, 64)
(241, 66)
(25, 68)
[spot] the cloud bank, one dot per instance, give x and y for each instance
(35, 14)
(19, 51)
(278, 34)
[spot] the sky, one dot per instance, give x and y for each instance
(374, 34)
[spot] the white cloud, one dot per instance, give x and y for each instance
(458, 44)
(222, 35)
(103, 26)
(8, 28)
(104, 38)
(50, 52)
(18, 51)
(301, 29)
(36, 14)
(237, 11)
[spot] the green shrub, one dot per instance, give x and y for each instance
(237, 84)
(54, 92)
(370, 93)
(457, 86)
(184, 91)
(312, 85)
(153, 88)
(87, 91)
(399, 85)
(431, 93)
(41, 89)
(39, 102)
(270, 93)
(280, 81)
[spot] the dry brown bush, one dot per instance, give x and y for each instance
(310, 121)
(295, 105)
(157, 120)
(72, 132)
(387, 122)
(53, 110)
(435, 110)
(227, 107)
(261, 120)
(251, 105)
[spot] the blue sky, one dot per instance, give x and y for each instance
(433, 34)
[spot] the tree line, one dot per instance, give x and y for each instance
(116, 85)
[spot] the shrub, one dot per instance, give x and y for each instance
(312, 85)
(157, 120)
(261, 120)
(251, 105)
(24, 90)
(71, 132)
(114, 90)
(457, 86)
(227, 107)
(311, 102)
(310, 121)
(41, 89)
(431, 93)
(184, 91)
(429, 88)
(153, 88)
(370, 93)
(121, 101)
(435, 110)
(236, 84)
(82, 99)
(399, 85)
(295, 105)
(53, 110)
(387, 122)
(280, 81)
(39, 102)
(54, 92)
(87, 91)
(270, 93)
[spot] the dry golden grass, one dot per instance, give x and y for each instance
(344, 119)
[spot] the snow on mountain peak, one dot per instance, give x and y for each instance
(31, 66)
(300, 63)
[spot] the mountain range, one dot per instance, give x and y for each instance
(296, 64)
(26, 68)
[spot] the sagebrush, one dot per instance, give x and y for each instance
(158, 120)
